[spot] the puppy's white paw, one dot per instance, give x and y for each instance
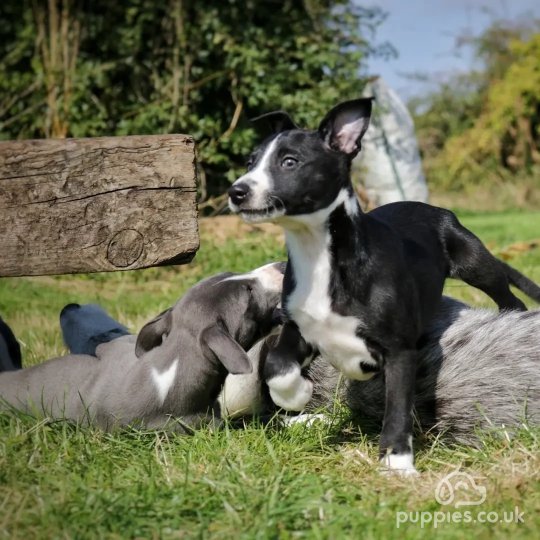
(400, 464)
(290, 391)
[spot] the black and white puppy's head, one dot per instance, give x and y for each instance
(297, 172)
(218, 319)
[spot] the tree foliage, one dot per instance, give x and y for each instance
(92, 68)
(484, 126)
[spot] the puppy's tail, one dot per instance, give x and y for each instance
(523, 283)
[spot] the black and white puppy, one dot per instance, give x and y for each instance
(360, 288)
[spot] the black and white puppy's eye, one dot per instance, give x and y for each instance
(249, 163)
(289, 162)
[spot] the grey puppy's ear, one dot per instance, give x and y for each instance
(344, 126)
(218, 342)
(273, 122)
(154, 332)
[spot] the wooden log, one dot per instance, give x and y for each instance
(97, 205)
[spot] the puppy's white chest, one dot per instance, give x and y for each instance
(334, 335)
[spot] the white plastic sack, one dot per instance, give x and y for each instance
(389, 163)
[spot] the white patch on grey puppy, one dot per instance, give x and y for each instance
(164, 380)
(241, 394)
(268, 275)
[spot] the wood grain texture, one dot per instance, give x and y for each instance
(97, 205)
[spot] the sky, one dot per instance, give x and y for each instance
(424, 34)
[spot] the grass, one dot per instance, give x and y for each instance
(61, 481)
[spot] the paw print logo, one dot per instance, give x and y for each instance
(460, 489)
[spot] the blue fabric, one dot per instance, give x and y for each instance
(86, 326)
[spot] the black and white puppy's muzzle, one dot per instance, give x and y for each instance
(251, 195)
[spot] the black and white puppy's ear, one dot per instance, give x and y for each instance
(344, 126)
(273, 122)
(153, 333)
(219, 343)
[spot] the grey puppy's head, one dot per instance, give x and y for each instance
(219, 318)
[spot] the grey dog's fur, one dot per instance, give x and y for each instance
(477, 369)
(168, 376)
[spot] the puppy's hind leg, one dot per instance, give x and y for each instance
(471, 262)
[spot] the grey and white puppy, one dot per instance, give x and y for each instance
(168, 376)
(477, 369)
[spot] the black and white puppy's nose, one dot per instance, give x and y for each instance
(239, 192)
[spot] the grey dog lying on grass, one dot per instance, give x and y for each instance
(168, 376)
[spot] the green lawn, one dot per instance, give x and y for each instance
(60, 481)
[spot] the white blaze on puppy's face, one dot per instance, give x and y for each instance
(259, 181)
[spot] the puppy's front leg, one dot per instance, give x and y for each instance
(282, 370)
(396, 451)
